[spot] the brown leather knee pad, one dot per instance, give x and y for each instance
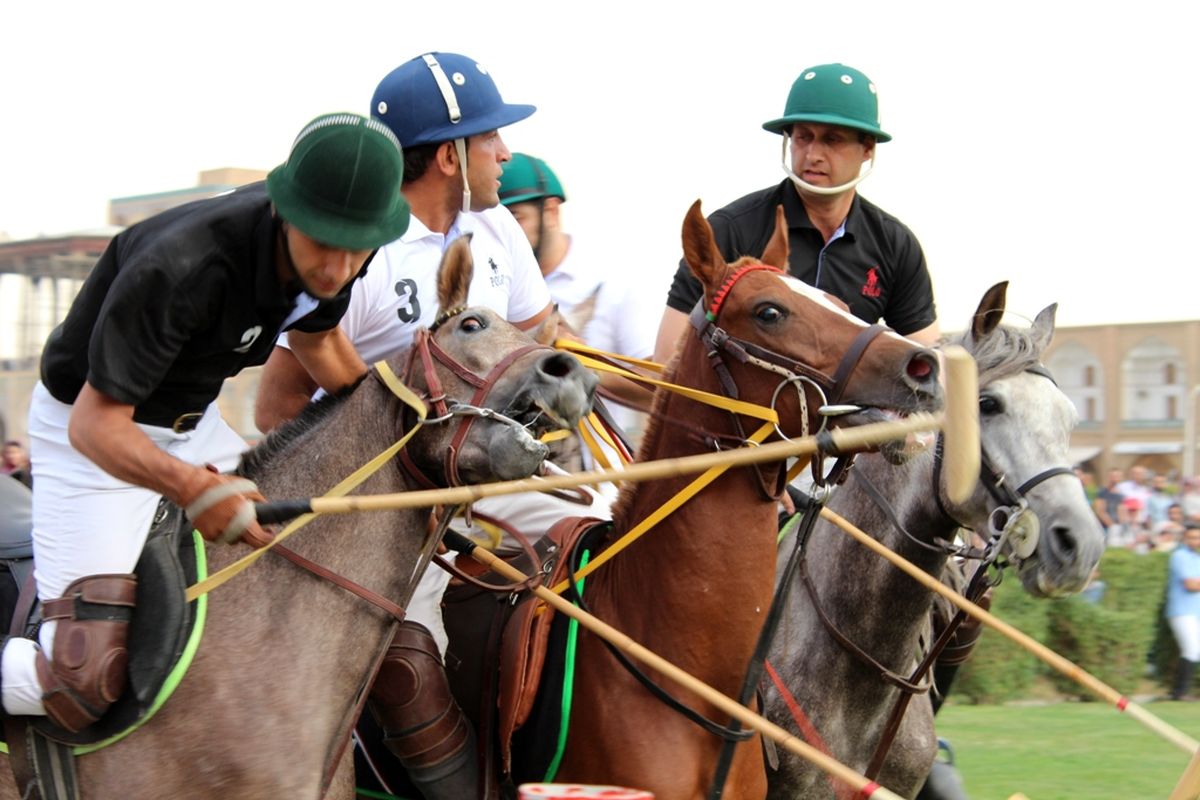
(411, 699)
(88, 671)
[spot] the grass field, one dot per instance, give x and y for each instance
(1066, 750)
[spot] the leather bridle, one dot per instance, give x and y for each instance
(424, 356)
(720, 345)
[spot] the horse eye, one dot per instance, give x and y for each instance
(770, 314)
(990, 405)
(471, 324)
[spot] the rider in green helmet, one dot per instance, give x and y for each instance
(125, 412)
(533, 193)
(838, 241)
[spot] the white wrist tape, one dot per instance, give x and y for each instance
(210, 497)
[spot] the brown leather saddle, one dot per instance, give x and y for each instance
(499, 641)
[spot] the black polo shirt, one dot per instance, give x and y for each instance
(876, 267)
(177, 304)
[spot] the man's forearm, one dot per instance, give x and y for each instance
(103, 430)
(328, 357)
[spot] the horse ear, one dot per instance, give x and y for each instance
(990, 312)
(454, 274)
(548, 329)
(776, 254)
(700, 250)
(1043, 327)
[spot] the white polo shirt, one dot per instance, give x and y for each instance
(398, 295)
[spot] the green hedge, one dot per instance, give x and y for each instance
(1113, 640)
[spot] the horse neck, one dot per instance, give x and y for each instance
(715, 552)
(871, 601)
(322, 456)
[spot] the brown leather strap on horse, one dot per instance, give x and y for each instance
(906, 685)
(374, 598)
(976, 591)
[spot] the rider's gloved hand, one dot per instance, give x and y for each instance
(222, 508)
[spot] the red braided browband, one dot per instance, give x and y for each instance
(723, 292)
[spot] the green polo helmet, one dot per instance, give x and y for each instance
(528, 178)
(341, 183)
(832, 94)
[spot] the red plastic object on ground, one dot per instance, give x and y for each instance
(575, 791)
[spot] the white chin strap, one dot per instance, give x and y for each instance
(825, 190)
(455, 113)
(461, 146)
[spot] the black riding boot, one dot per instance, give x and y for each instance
(1183, 679)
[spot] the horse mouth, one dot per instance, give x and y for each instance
(537, 418)
(896, 451)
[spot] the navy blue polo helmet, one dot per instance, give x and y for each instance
(439, 97)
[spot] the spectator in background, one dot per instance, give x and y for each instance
(1166, 535)
(1183, 609)
(1189, 499)
(1137, 486)
(1107, 504)
(603, 303)
(1159, 500)
(16, 463)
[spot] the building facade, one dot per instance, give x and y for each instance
(1136, 388)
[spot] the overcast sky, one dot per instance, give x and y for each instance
(1047, 143)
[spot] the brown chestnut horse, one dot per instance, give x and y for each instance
(269, 697)
(696, 588)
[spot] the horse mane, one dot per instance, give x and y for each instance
(1003, 352)
(259, 457)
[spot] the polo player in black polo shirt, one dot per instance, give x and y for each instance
(125, 410)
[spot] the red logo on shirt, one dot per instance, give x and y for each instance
(871, 287)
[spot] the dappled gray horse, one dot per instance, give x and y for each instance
(270, 695)
(1025, 423)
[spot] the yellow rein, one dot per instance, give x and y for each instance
(583, 353)
(409, 398)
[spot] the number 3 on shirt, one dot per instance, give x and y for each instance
(409, 309)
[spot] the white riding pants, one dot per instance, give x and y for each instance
(86, 522)
(1187, 635)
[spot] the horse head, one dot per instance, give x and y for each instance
(1027, 488)
(492, 389)
(808, 356)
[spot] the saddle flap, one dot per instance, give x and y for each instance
(523, 643)
(159, 629)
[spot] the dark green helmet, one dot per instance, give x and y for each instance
(832, 94)
(341, 183)
(527, 178)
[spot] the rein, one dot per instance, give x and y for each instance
(384, 373)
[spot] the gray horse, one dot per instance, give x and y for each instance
(270, 695)
(1025, 425)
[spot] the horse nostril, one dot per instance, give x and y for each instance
(921, 367)
(558, 365)
(1064, 542)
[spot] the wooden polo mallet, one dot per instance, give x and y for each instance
(961, 463)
